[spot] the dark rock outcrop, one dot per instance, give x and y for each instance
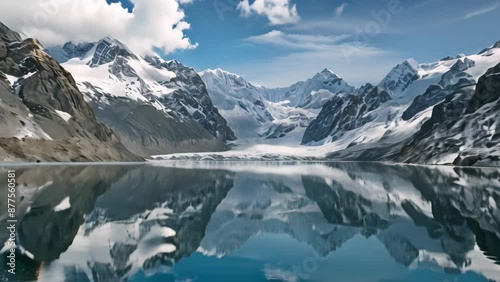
(344, 113)
(47, 104)
(191, 93)
(451, 81)
(462, 126)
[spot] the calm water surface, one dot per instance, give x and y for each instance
(188, 221)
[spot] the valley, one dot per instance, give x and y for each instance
(145, 107)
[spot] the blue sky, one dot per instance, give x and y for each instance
(425, 30)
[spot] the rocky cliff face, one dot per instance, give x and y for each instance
(451, 81)
(463, 128)
(190, 98)
(435, 113)
(400, 77)
(42, 105)
(155, 106)
(344, 113)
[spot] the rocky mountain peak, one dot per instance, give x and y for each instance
(400, 77)
(79, 50)
(7, 35)
(49, 108)
(411, 64)
(108, 49)
(329, 79)
(225, 75)
(365, 89)
(328, 72)
(485, 51)
(463, 64)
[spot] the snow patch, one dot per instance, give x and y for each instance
(64, 205)
(64, 115)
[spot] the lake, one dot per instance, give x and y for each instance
(254, 221)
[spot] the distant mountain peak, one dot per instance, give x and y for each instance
(108, 49)
(412, 63)
(496, 45)
(329, 73)
(400, 77)
(220, 73)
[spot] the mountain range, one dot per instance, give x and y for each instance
(70, 98)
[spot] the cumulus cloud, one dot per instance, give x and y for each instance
(152, 23)
(278, 12)
(297, 41)
(340, 10)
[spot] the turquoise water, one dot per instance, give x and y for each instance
(236, 221)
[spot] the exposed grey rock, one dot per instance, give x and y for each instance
(146, 131)
(486, 51)
(108, 49)
(183, 120)
(69, 51)
(280, 131)
(466, 116)
(44, 98)
(191, 91)
(344, 113)
(450, 82)
(400, 77)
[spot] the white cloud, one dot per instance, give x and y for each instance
(297, 41)
(152, 23)
(481, 12)
(278, 12)
(340, 10)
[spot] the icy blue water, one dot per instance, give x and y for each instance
(236, 221)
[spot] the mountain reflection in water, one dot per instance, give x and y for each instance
(208, 221)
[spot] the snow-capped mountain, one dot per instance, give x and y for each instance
(400, 77)
(44, 116)
(239, 102)
(313, 93)
(154, 105)
(250, 114)
(463, 129)
(346, 112)
(406, 107)
(157, 107)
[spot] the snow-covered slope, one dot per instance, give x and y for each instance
(239, 102)
(154, 105)
(251, 115)
(313, 93)
(464, 128)
(400, 77)
(43, 115)
(380, 132)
